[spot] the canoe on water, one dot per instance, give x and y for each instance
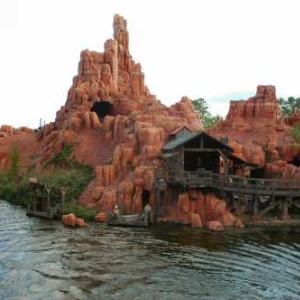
(134, 220)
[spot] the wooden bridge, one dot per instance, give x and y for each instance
(262, 195)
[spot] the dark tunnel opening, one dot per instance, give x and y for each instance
(102, 109)
(295, 161)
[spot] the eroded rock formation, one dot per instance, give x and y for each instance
(258, 132)
(117, 125)
(114, 124)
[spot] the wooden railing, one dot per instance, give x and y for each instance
(233, 183)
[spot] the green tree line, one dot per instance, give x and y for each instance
(202, 108)
(289, 106)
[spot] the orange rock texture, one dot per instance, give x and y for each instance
(71, 220)
(258, 132)
(197, 209)
(122, 124)
(117, 125)
(114, 124)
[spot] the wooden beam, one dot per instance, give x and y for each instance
(222, 154)
(285, 210)
(268, 208)
(200, 150)
(296, 204)
(255, 206)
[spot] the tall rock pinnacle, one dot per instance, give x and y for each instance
(120, 31)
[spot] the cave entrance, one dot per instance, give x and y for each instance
(102, 109)
(145, 197)
(295, 161)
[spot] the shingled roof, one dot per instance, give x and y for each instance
(173, 144)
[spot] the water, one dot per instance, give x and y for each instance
(41, 259)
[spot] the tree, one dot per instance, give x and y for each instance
(15, 164)
(208, 120)
(295, 132)
(62, 159)
(289, 106)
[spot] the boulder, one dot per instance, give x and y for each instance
(69, 220)
(215, 226)
(196, 221)
(101, 217)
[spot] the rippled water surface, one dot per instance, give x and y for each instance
(41, 259)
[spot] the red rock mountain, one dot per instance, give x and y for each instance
(258, 132)
(119, 127)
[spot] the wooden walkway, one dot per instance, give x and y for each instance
(263, 195)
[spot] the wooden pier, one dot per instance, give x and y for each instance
(262, 195)
(197, 160)
(45, 200)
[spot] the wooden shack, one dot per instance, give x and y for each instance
(196, 160)
(189, 151)
(45, 200)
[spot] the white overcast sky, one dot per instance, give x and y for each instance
(216, 49)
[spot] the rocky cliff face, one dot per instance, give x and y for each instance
(119, 127)
(259, 133)
(263, 107)
(22, 138)
(109, 95)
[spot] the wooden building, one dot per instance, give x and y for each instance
(189, 151)
(45, 200)
(196, 160)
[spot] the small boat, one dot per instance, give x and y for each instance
(134, 220)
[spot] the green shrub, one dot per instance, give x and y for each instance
(66, 172)
(15, 164)
(80, 210)
(11, 191)
(75, 179)
(62, 159)
(295, 133)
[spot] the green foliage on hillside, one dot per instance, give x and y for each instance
(10, 191)
(62, 159)
(15, 164)
(65, 172)
(208, 120)
(80, 210)
(76, 179)
(295, 133)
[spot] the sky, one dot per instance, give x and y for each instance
(219, 50)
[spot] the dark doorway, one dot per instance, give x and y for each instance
(295, 161)
(201, 160)
(102, 109)
(145, 197)
(257, 173)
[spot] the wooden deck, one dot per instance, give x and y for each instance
(263, 195)
(234, 184)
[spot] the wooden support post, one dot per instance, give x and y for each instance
(157, 201)
(255, 206)
(34, 201)
(243, 170)
(63, 191)
(284, 206)
(48, 189)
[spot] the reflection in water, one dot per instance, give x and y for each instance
(41, 259)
